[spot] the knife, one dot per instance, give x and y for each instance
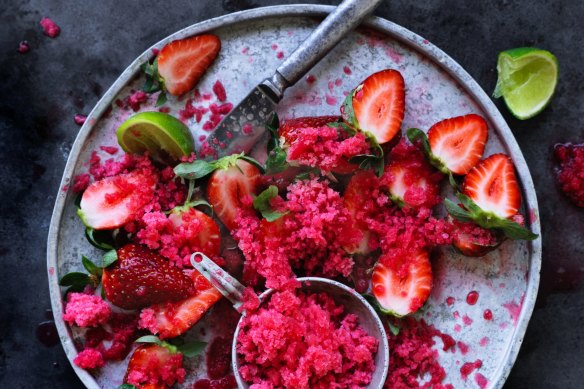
(246, 123)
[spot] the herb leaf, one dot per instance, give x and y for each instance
(276, 161)
(109, 258)
(91, 267)
(162, 98)
(262, 204)
(75, 278)
(194, 170)
(192, 349)
(456, 212)
(127, 386)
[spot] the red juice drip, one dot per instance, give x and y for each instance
(488, 314)
(472, 297)
(47, 334)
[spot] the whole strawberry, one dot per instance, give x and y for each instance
(140, 278)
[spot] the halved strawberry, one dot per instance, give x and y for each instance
(377, 105)
(172, 319)
(409, 185)
(359, 186)
(492, 185)
(231, 189)
(112, 202)
(154, 366)
(181, 63)
(458, 143)
(401, 284)
(199, 230)
(140, 278)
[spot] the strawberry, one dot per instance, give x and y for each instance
(140, 278)
(155, 366)
(200, 231)
(181, 63)
(377, 105)
(458, 143)
(172, 319)
(402, 283)
(231, 188)
(492, 185)
(358, 187)
(113, 201)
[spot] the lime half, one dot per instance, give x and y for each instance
(165, 138)
(527, 80)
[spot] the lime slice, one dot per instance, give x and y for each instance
(527, 80)
(165, 138)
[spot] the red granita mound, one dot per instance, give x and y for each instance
(570, 173)
(136, 99)
(227, 382)
(219, 357)
(121, 333)
(304, 340)
(324, 147)
(89, 359)
(469, 367)
(81, 182)
(23, 47)
(310, 237)
(219, 91)
(50, 28)
(413, 362)
(157, 371)
(86, 310)
(191, 111)
(470, 232)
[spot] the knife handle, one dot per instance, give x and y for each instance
(347, 16)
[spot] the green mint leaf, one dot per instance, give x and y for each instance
(262, 204)
(456, 212)
(194, 170)
(75, 278)
(109, 258)
(393, 328)
(103, 240)
(162, 98)
(347, 110)
(192, 349)
(149, 339)
(127, 386)
(91, 267)
(276, 161)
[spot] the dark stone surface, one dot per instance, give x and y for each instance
(42, 90)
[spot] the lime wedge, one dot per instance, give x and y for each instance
(527, 80)
(165, 138)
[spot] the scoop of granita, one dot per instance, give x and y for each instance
(316, 144)
(571, 171)
(309, 237)
(86, 310)
(89, 359)
(304, 340)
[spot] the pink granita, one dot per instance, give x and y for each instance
(304, 340)
(136, 99)
(81, 182)
(89, 359)
(79, 119)
(326, 148)
(86, 310)
(219, 91)
(310, 237)
(115, 343)
(50, 28)
(413, 361)
(571, 171)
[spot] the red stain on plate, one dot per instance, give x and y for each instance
(514, 309)
(481, 381)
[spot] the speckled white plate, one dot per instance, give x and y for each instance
(254, 43)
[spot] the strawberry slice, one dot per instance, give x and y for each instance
(173, 319)
(377, 105)
(402, 283)
(154, 366)
(231, 189)
(200, 231)
(492, 185)
(140, 278)
(110, 203)
(181, 63)
(458, 143)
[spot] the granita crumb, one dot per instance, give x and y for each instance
(413, 362)
(323, 147)
(136, 99)
(50, 28)
(309, 238)
(79, 119)
(219, 91)
(304, 340)
(570, 173)
(115, 343)
(109, 149)
(89, 359)
(81, 182)
(86, 310)
(23, 47)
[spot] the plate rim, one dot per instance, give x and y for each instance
(391, 29)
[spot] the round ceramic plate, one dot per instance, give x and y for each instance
(254, 43)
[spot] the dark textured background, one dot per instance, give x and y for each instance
(41, 91)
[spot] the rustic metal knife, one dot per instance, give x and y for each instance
(246, 123)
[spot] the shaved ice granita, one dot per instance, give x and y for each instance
(347, 197)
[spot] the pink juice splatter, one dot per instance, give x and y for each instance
(481, 381)
(469, 367)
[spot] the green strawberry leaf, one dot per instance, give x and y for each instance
(91, 267)
(416, 135)
(149, 339)
(342, 126)
(109, 258)
(468, 203)
(251, 160)
(515, 231)
(101, 239)
(262, 204)
(347, 110)
(393, 328)
(276, 161)
(192, 349)
(74, 278)
(127, 386)
(162, 98)
(194, 170)
(456, 212)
